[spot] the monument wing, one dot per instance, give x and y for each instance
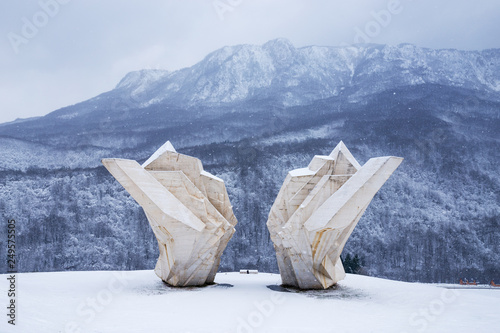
(316, 211)
(187, 208)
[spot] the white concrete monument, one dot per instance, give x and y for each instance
(316, 211)
(187, 208)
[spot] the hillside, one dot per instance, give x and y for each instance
(251, 113)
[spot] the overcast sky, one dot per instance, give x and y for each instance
(55, 53)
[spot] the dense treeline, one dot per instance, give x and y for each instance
(416, 228)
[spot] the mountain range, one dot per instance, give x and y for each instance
(251, 113)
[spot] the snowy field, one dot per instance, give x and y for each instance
(138, 301)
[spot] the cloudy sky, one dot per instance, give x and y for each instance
(55, 53)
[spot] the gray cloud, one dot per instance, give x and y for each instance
(87, 46)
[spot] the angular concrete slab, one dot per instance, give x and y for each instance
(187, 208)
(316, 211)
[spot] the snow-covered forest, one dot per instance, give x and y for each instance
(436, 220)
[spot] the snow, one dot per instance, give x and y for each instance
(137, 301)
(301, 172)
(68, 116)
(140, 80)
(208, 174)
(167, 146)
(324, 131)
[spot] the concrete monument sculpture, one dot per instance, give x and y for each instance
(316, 211)
(187, 208)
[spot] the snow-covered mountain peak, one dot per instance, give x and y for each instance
(278, 43)
(141, 77)
(279, 71)
(281, 48)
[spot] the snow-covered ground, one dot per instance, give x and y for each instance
(138, 301)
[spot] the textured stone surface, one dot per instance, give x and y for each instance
(316, 211)
(187, 208)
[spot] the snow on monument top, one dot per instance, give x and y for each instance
(167, 146)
